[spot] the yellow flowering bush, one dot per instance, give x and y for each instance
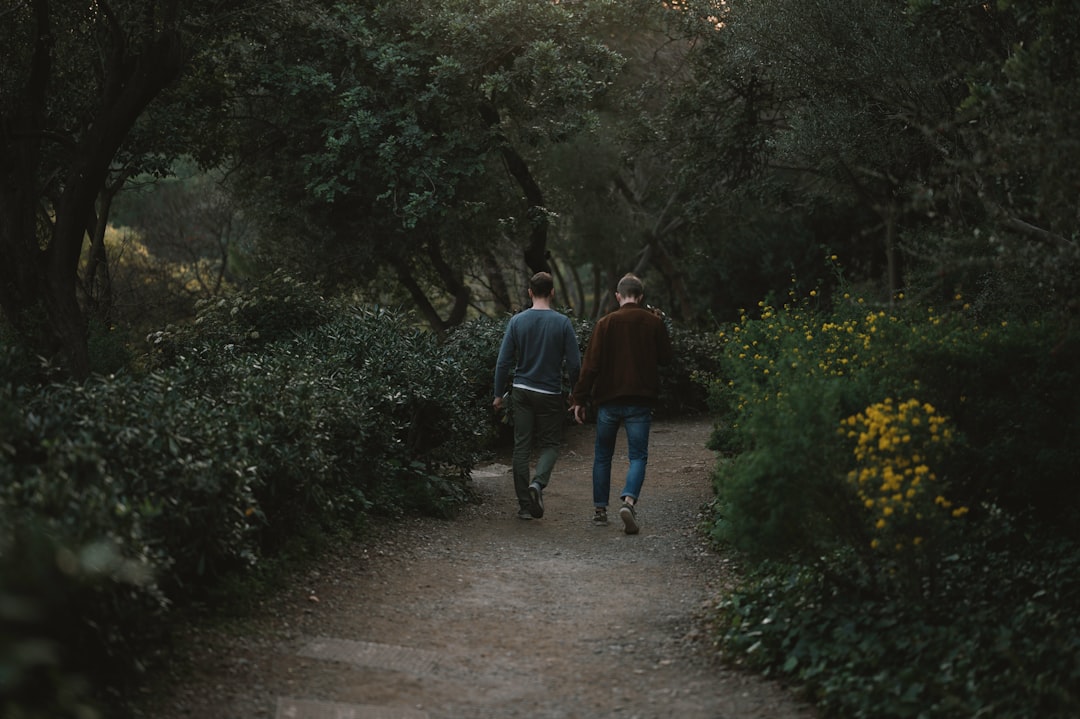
(866, 582)
(788, 375)
(895, 443)
(793, 371)
(794, 348)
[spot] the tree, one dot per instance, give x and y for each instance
(924, 142)
(1006, 186)
(816, 104)
(78, 84)
(622, 209)
(404, 138)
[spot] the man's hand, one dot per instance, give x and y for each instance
(497, 404)
(579, 413)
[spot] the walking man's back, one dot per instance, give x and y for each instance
(620, 376)
(539, 343)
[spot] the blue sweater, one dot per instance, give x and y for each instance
(536, 345)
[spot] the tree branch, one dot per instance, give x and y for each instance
(536, 253)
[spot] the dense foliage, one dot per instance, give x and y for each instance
(276, 414)
(405, 139)
(905, 478)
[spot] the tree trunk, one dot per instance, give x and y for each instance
(453, 281)
(599, 293)
(500, 293)
(97, 281)
(561, 284)
(419, 297)
(536, 254)
(676, 285)
(49, 279)
(21, 123)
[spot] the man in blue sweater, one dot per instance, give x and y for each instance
(539, 342)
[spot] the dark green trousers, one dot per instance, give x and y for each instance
(539, 420)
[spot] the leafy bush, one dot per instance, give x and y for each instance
(474, 347)
(785, 381)
(997, 636)
(684, 383)
(906, 472)
(246, 429)
(68, 630)
(1014, 392)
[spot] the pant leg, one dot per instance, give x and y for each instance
(524, 422)
(550, 423)
(607, 428)
(638, 421)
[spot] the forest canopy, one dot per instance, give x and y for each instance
(433, 155)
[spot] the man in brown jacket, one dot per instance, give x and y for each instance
(620, 375)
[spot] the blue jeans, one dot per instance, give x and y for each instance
(638, 420)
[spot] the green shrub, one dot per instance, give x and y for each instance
(1014, 391)
(1011, 393)
(684, 384)
(109, 348)
(363, 410)
(786, 381)
(139, 461)
(243, 431)
(474, 347)
(996, 637)
(908, 473)
(69, 632)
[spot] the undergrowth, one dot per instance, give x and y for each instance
(901, 481)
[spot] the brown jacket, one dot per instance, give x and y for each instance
(622, 359)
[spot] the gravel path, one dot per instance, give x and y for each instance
(491, 616)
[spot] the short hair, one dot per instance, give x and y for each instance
(631, 286)
(541, 284)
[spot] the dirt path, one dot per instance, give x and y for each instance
(492, 616)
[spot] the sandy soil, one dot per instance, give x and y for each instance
(491, 616)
